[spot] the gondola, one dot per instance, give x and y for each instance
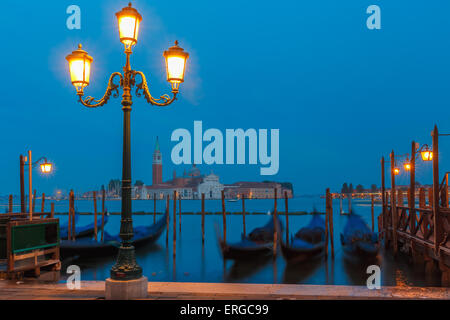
(307, 243)
(86, 247)
(84, 231)
(358, 240)
(144, 235)
(258, 243)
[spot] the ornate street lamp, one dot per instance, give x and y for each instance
(175, 65)
(80, 68)
(80, 62)
(129, 20)
(46, 168)
(426, 153)
(407, 164)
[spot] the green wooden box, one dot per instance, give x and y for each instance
(34, 236)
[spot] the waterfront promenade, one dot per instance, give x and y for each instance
(92, 290)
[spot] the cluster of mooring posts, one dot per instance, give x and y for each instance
(71, 221)
(423, 231)
(177, 210)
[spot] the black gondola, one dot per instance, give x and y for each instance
(257, 244)
(144, 235)
(86, 247)
(358, 240)
(84, 231)
(308, 242)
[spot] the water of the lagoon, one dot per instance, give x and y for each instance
(196, 263)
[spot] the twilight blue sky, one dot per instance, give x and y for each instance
(341, 95)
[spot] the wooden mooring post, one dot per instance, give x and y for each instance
(30, 192)
(224, 215)
(34, 200)
(400, 202)
(52, 210)
(326, 224)
(103, 213)
(23, 206)
(444, 193)
(174, 217)
(422, 201)
(383, 203)
(372, 198)
(95, 215)
(412, 189)
(437, 219)
(179, 211)
(243, 212)
(10, 203)
(286, 208)
(167, 219)
(430, 197)
(422, 205)
(154, 208)
(69, 219)
(393, 205)
(203, 218)
(43, 203)
(275, 222)
(329, 221)
(174, 223)
(73, 216)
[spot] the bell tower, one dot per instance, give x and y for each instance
(157, 165)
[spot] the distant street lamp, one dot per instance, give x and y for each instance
(46, 168)
(396, 171)
(407, 165)
(426, 153)
(80, 62)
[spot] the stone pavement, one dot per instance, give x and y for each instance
(218, 291)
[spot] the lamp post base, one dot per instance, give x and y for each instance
(126, 290)
(126, 267)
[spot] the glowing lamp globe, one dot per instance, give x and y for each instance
(129, 20)
(407, 166)
(46, 167)
(175, 65)
(396, 171)
(427, 155)
(79, 68)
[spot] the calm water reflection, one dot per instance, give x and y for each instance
(189, 261)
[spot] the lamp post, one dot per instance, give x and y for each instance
(80, 62)
(45, 166)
